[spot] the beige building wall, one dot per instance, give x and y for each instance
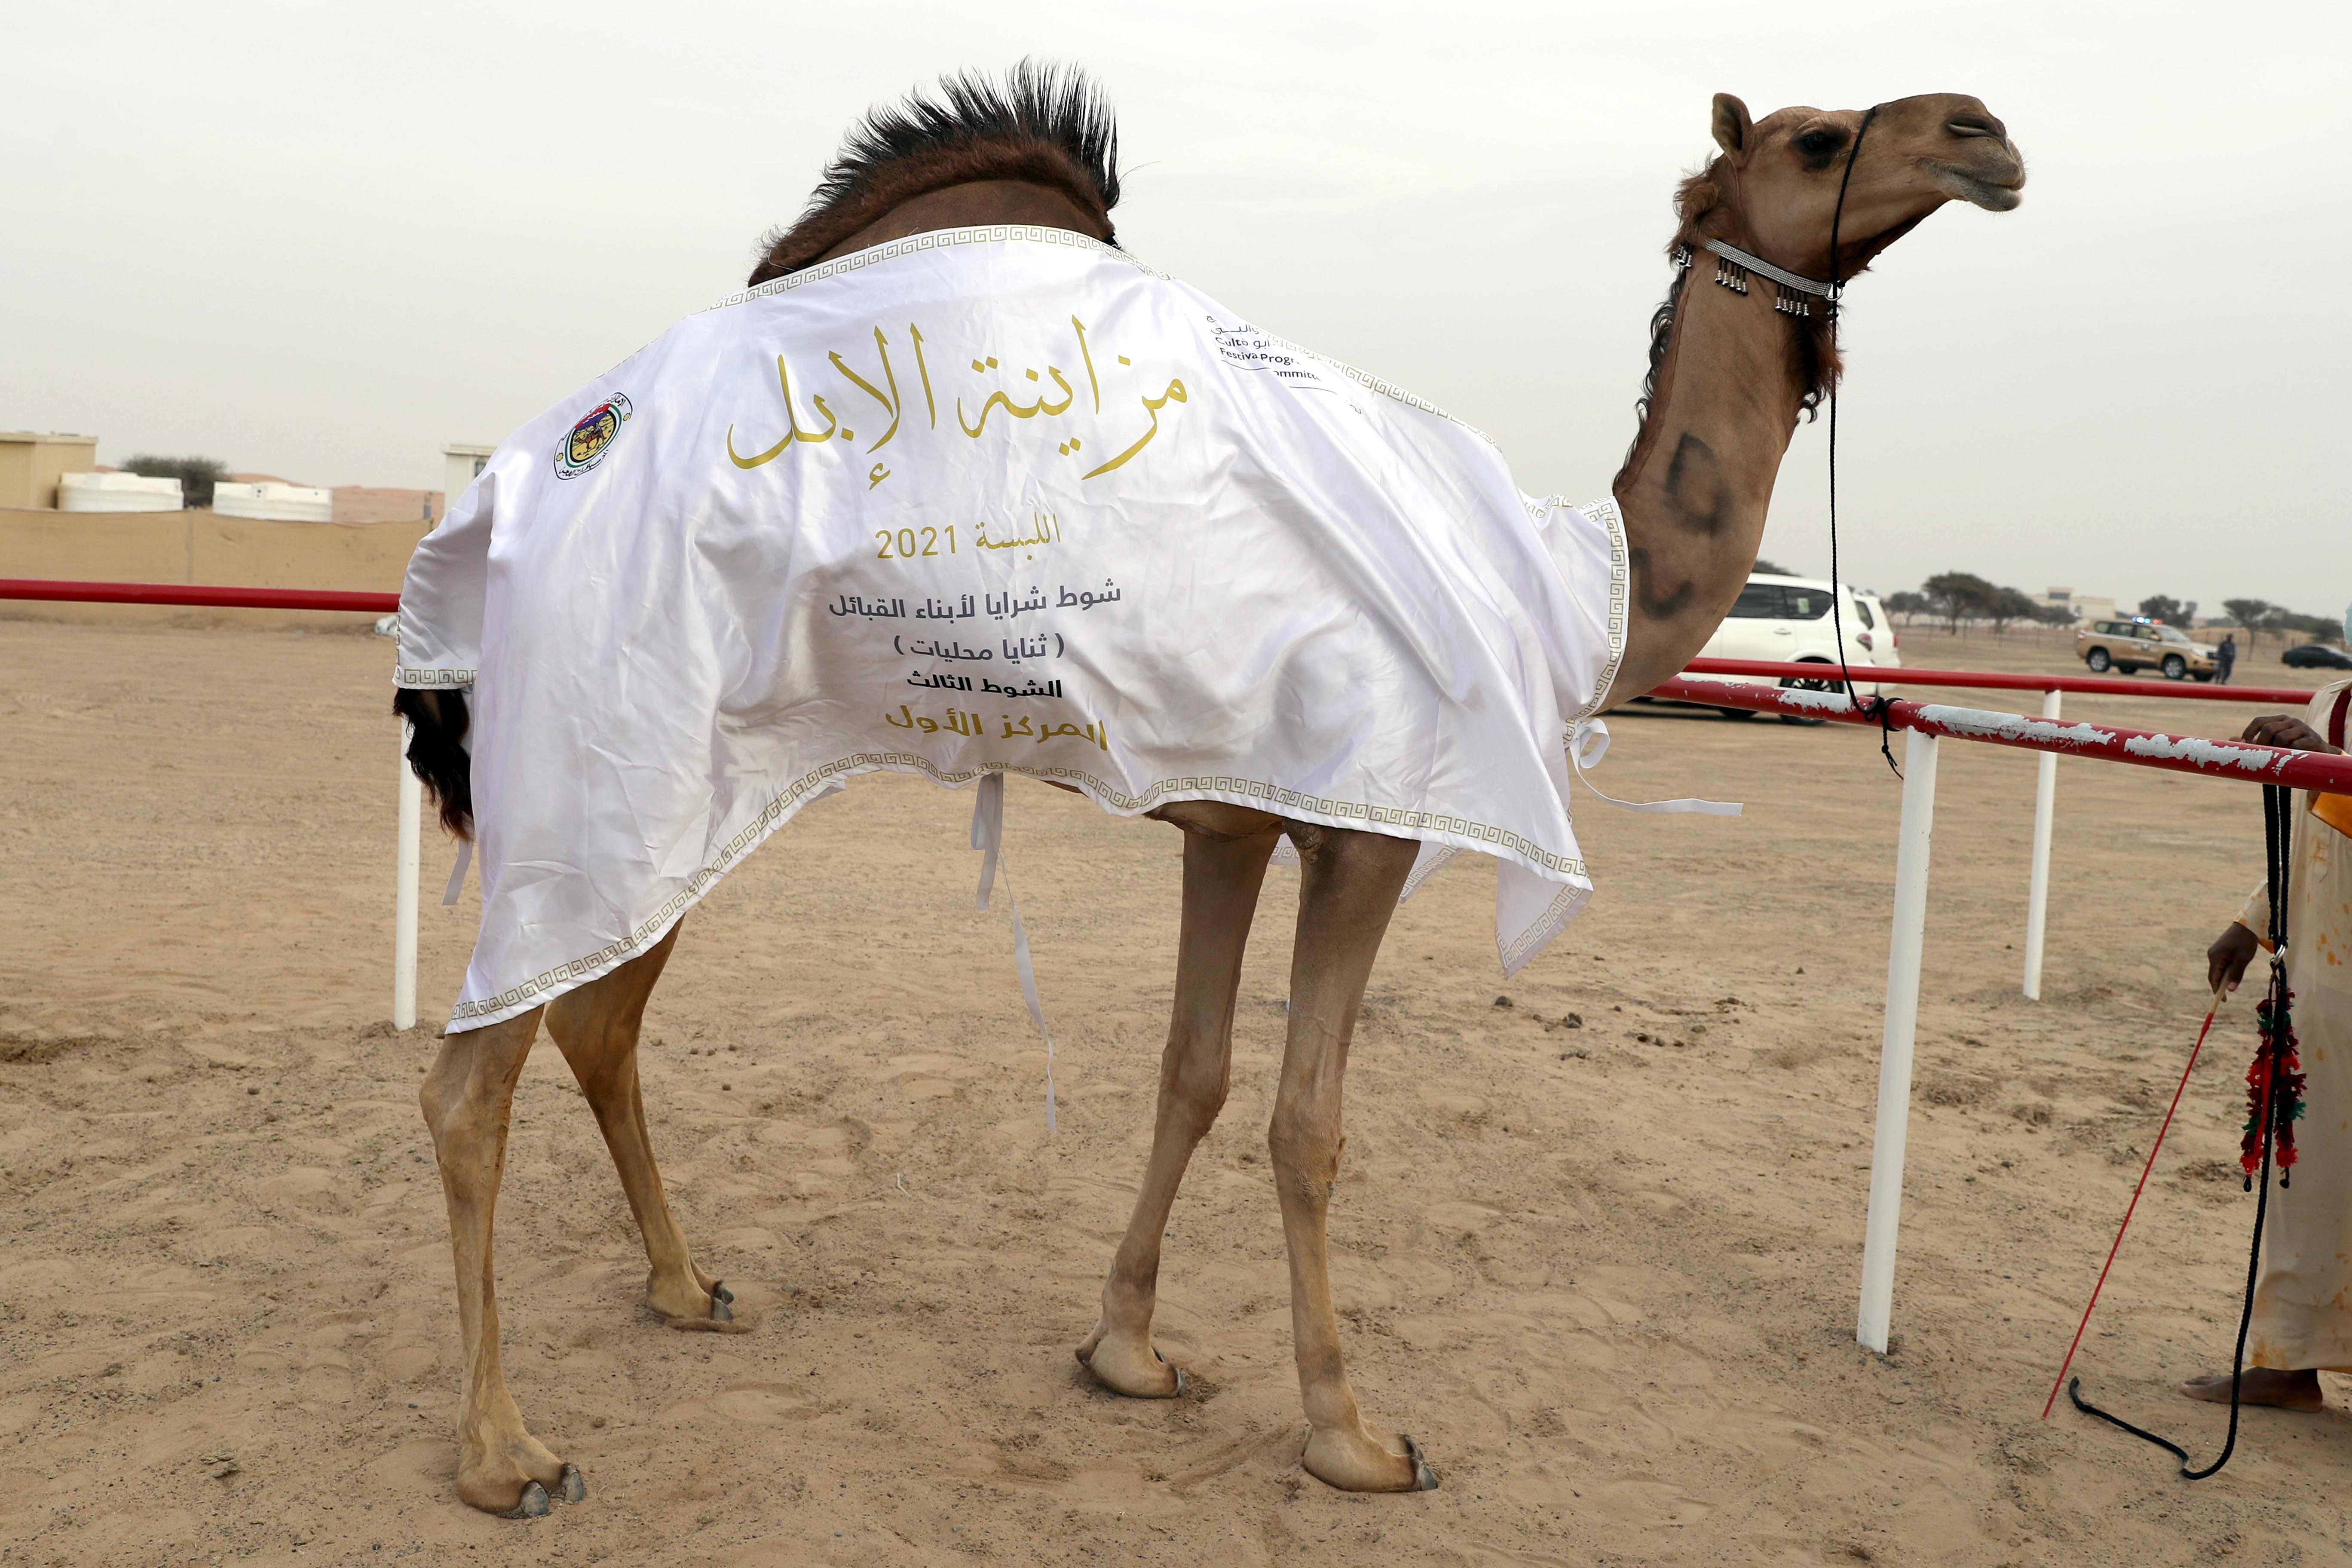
(31, 461)
(201, 547)
(375, 503)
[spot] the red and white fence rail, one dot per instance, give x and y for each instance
(410, 855)
(1924, 724)
(1999, 680)
(197, 594)
(2045, 788)
(1708, 684)
(2241, 760)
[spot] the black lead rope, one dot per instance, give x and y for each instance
(2278, 839)
(1876, 707)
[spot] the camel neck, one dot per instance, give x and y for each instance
(1695, 489)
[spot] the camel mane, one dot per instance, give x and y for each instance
(1812, 349)
(1046, 124)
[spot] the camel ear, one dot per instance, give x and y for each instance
(1731, 126)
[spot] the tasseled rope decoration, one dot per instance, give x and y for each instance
(2274, 1082)
(1731, 274)
(1789, 301)
(2277, 1025)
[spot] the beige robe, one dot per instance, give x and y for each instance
(2302, 1305)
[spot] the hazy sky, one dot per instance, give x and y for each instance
(322, 240)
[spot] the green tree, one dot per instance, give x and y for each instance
(2053, 613)
(1958, 595)
(2007, 604)
(2251, 614)
(2319, 629)
(2166, 608)
(197, 474)
(1767, 569)
(1907, 604)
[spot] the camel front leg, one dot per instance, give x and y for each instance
(1347, 890)
(1222, 878)
(502, 1467)
(596, 1028)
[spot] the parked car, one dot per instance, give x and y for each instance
(1787, 619)
(2316, 655)
(2139, 644)
(1878, 638)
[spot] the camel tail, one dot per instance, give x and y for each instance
(436, 753)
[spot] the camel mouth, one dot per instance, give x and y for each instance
(1997, 195)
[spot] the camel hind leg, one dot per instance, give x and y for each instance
(1349, 884)
(467, 1093)
(1222, 877)
(596, 1027)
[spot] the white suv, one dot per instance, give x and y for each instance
(1788, 619)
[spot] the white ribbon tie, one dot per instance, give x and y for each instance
(1588, 743)
(988, 838)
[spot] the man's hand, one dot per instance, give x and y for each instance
(2288, 734)
(2226, 960)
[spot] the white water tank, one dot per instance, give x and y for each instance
(282, 503)
(116, 492)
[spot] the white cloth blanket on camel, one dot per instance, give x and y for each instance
(981, 501)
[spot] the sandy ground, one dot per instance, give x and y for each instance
(1606, 1271)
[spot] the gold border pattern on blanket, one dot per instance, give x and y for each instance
(1604, 511)
(1554, 919)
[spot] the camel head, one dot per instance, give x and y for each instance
(1775, 186)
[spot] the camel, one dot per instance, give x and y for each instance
(1732, 370)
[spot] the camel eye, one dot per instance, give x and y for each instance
(1820, 143)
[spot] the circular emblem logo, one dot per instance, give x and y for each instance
(585, 444)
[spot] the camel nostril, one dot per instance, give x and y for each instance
(1976, 125)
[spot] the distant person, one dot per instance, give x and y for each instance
(2226, 655)
(2303, 1300)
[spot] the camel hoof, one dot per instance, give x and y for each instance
(571, 1486)
(533, 1504)
(720, 1321)
(719, 1292)
(1086, 1355)
(1425, 1480)
(720, 1311)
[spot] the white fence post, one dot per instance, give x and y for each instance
(2037, 894)
(1910, 928)
(404, 902)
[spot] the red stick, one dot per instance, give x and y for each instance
(2160, 1132)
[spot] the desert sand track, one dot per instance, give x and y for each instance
(1605, 1269)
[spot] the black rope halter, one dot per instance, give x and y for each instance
(1874, 707)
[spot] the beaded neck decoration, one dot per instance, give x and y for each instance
(1732, 266)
